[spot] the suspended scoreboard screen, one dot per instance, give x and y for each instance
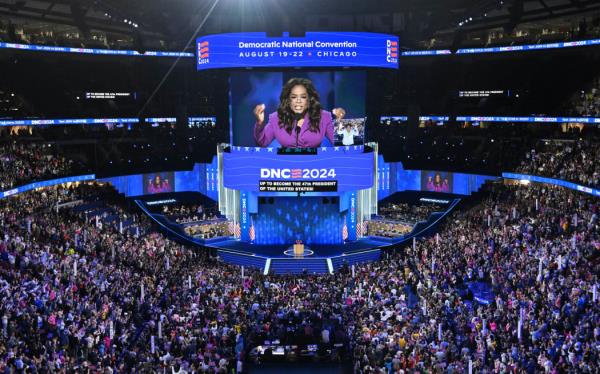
(315, 49)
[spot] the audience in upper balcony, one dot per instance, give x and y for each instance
(21, 163)
(572, 160)
(69, 36)
(587, 102)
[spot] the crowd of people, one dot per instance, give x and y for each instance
(208, 229)
(396, 219)
(21, 163)
(576, 161)
(32, 33)
(502, 242)
(388, 229)
(184, 213)
(77, 295)
(587, 102)
(409, 213)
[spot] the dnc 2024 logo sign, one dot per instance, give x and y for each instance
(391, 52)
(297, 173)
(203, 53)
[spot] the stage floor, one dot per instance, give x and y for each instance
(320, 251)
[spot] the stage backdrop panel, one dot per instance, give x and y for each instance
(202, 178)
(392, 178)
(314, 220)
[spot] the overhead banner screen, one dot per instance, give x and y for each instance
(315, 49)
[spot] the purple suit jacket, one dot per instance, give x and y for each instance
(264, 134)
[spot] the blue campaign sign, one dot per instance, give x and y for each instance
(316, 49)
(342, 167)
(47, 183)
(434, 118)
(93, 51)
(433, 52)
(590, 120)
(530, 47)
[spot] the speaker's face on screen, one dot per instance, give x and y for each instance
(299, 99)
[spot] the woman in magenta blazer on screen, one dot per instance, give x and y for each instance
(299, 121)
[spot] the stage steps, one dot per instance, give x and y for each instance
(292, 265)
(298, 266)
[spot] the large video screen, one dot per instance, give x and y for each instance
(336, 89)
(436, 181)
(315, 49)
(159, 183)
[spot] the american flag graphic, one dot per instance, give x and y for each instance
(361, 228)
(234, 228)
(345, 232)
(394, 49)
(204, 49)
(296, 173)
(252, 233)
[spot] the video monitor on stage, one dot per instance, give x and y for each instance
(297, 109)
(349, 131)
(436, 181)
(159, 183)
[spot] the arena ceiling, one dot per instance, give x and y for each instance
(177, 20)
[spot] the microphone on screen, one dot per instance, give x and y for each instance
(298, 117)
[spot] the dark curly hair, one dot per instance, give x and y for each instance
(284, 111)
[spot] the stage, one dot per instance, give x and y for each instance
(280, 258)
(320, 251)
(273, 259)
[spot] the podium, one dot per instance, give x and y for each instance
(298, 249)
